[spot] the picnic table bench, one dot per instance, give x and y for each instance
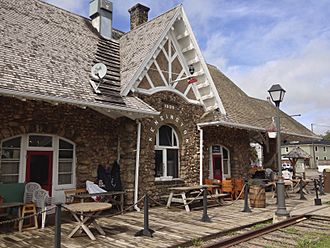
(188, 194)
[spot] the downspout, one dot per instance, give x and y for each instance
(137, 166)
(200, 154)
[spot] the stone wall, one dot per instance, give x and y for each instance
(94, 134)
(237, 141)
(184, 117)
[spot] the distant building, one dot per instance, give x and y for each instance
(318, 150)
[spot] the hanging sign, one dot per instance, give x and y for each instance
(192, 80)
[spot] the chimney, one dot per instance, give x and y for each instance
(100, 12)
(139, 15)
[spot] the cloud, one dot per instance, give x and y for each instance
(305, 77)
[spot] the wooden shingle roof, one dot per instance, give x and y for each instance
(47, 53)
(242, 110)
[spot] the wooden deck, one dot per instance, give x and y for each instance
(172, 226)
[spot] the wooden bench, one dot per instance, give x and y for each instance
(71, 193)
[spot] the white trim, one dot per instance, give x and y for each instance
(34, 96)
(202, 61)
(243, 126)
(200, 155)
(165, 88)
(137, 166)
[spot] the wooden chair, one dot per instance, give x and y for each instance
(70, 193)
(238, 184)
(227, 188)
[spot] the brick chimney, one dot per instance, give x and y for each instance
(139, 15)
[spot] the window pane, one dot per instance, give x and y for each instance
(158, 163)
(9, 167)
(65, 145)
(225, 153)
(64, 179)
(225, 166)
(172, 163)
(215, 149)
(40, 141)
(65, 154)
(16, 142)
(165, 136)
(9, 179)
(10, 154)
(65, 166)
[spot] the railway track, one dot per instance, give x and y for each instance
(299, 231)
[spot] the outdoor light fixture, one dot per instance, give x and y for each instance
(191, 69)
(276, 92)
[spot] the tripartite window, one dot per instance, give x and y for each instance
(65, 162)
(220, 162)
(10, 160)
(166, 153)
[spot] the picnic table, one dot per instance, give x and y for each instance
(9, 205)
(109, 196)
(92, 210)
(189, 194)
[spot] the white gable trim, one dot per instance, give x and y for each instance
(137, 74)
(201, 58)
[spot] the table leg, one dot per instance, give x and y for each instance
(183, 195)
(169, 200)
(98, 227)
(81, 224)
(20, 222)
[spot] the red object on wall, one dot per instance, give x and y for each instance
(192, 80)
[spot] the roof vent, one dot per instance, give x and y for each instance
(139, 15)
(100, 11)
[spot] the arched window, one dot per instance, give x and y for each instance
(10, 160)
(219, 162)
(166, 153)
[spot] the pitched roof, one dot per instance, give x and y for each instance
(297, 153)
(47, 53)
(137, 44)
(245, 111)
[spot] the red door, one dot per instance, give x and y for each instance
(217, 167)
(39, 168)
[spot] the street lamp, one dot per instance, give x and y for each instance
(276, 92)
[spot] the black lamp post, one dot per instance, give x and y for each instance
(277, 94)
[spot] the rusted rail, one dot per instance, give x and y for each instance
(256, 233)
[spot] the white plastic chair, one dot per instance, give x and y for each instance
(44, 203)
(29, 189)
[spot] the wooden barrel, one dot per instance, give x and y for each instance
(257, 196)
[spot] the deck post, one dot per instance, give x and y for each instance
(57, 243)
(317, 200)
(146, 231)
(205, 217)
(321, 185)
(246, 209)
(302, 197)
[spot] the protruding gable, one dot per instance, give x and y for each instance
(166, 67)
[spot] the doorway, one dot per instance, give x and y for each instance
(39, 168)
(217, 166)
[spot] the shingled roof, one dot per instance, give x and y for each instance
(248, 112)
(47, 53)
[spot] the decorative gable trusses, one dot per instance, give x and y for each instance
(167, 67)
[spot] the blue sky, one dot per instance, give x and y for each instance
(256, 43)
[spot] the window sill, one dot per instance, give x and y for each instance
(174, 181)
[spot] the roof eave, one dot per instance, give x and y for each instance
(34, 96)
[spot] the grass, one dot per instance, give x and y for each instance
(290, 230)
(197, 242)
(260, 225)
(314, 240)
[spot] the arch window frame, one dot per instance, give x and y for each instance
(163, 152)
(224, 161)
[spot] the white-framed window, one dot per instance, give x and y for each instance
(286, 149)
(65, 162)
(316, 148)
(324, 149)
(166, 153)
(324, 158)
(10, 160)
(219, 162)
(317, 158)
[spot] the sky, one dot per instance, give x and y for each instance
(256, 43)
